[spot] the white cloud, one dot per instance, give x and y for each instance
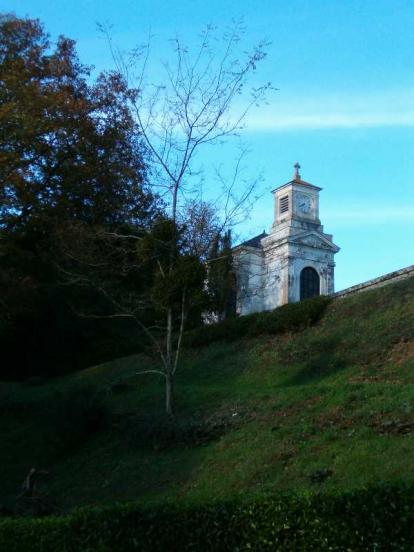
(382, 109)
(329, 120)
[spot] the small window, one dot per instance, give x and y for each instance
(284, 204)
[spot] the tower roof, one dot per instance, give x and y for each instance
(297, 179)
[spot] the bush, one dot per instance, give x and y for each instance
(380, 518)
(290, 317)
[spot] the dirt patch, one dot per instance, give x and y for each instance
(335, 417)
(381, 422)
(396, 356)
(298, 407)
(286, 454)
(389, 377)
(401, 352)
(388, 425)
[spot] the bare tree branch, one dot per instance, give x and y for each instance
(191, 107)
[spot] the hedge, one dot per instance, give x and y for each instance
(290, 317)
(378, 518)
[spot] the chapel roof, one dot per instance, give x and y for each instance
(254, 242)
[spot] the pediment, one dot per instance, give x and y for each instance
(314, 239)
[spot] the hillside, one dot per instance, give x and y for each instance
(329, 407)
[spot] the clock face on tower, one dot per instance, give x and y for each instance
(304, 204)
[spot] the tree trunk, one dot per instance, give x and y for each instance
(169, 366)
(169, 394)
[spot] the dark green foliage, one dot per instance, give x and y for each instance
(74, 416)
(67, 418)
(159, 247)
(69, 153)
(291, 317)
(45, 336)
(221, 277)
(378, 518)
(18, 408)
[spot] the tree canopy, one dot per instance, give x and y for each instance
(69, 148)
(69, 151)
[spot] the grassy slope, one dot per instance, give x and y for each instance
(336, 396)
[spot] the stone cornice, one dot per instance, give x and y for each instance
(300, 240)
(325, 243)
(378, 282)
(300, 183)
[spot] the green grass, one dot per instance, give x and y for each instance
(338, 396)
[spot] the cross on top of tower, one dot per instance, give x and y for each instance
(296, 175)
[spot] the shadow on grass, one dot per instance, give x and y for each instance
(136, 431)
(322, 359)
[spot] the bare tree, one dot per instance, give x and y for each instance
(201, 101)
(194, 106)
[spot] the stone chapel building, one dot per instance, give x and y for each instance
(294, 261)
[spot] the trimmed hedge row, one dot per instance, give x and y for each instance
(380, 518)
(290, 317)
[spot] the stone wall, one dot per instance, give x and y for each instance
(389, 278)
(248, 262)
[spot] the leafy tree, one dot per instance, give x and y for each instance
(221, 277)
(70, 150)
(129, 273)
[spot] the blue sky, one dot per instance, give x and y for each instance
(344, 108)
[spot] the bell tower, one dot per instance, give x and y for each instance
(296, 202)
(298, 254)
(294, 261)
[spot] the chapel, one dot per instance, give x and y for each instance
(294, 261)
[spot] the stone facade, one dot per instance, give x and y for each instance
(270, 267)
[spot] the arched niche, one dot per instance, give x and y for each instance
(309, 283)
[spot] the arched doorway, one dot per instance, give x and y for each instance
(309, 283)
